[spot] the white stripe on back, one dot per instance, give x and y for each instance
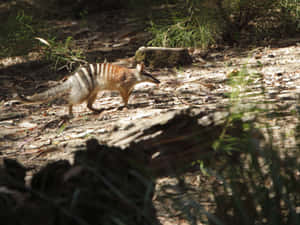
(92, 69)
(88, 76)
(79, 79)
(98, 68)
(102, 71)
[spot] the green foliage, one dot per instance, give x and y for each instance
(180, 35)
(261, 189)
(197, 30)
(254, 184)
(62, 54)
(17, 34)
(140, 4)
(247, 181)
(239, 105)
(257, 20)
(203, 23)
(258, 184)
(290, 15)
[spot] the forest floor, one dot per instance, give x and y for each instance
(36, 134)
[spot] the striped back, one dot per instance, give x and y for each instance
(107, 76)
(100, 75)
(88, 80)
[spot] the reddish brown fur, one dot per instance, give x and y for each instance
(80, 88)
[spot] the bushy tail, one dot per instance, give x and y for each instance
(48, 95)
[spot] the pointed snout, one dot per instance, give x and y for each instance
(150, 78)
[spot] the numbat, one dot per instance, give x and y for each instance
(87, 81)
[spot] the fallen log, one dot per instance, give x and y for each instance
(172, 142)
(157, 57)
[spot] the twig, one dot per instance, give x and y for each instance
(13, 115)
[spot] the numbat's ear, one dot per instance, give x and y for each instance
(140, 67)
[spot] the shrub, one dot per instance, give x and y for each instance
(17, 34)
(203, 23)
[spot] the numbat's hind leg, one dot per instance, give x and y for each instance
(90, 102)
